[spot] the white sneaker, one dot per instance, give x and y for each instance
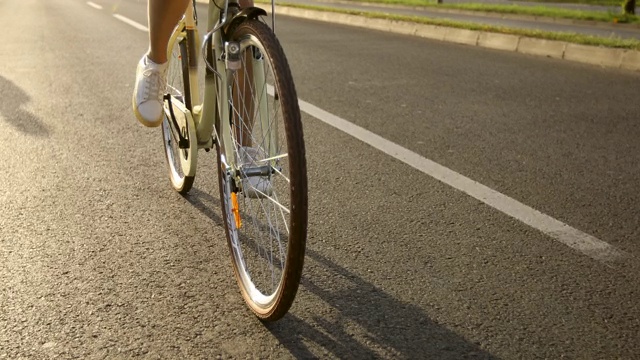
(255, 186)
(147, 95)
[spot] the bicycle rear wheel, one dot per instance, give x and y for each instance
(263, 186)
(180, 160)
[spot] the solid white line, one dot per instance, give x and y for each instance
(131, 22)
(574, 238)
(94, 5)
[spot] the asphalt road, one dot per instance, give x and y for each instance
(99, 258)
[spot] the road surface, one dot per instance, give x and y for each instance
(100, 258)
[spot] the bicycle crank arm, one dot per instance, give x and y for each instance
(183, 143)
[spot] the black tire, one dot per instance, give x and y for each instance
(274, 274)
(178, 88)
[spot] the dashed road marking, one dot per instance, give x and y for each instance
(128, 21)
(94, 5)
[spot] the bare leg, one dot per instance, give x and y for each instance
(163, 18)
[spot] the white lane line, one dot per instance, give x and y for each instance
(126, 20)
(94, 5)
(574, 238)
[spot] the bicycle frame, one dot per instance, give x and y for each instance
(206, 114)
(204, 119)
(248, 97)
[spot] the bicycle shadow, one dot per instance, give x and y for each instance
(12, 111)
(395, 328)
(205, 203)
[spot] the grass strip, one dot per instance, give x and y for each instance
(585, 2)
(544, 11)
(633, 44)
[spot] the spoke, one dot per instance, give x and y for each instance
(282, 175)
(264, 250)
(274, 230)
(286, 224)
(281, 156)
(274, 201)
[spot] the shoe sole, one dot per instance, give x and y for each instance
(142, 120)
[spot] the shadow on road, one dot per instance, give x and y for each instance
(13, 99)
(400, 329)
(207, 204)
(392, 328)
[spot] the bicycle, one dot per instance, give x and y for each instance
(250, 113)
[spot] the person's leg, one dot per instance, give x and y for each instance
(151, 73)
(163, 18)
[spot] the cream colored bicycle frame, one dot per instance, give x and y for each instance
(203, 115)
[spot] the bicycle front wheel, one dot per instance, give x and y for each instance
(262, 174)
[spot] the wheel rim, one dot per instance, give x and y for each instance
(259, 245)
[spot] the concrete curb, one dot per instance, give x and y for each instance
(545, 19)
(594, 55)
(497, 15)
(542, 47)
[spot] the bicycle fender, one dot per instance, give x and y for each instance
(246, 13)
(250, 13)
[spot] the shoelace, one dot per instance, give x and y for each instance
(154, 86)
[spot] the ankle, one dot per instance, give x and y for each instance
(155, 59)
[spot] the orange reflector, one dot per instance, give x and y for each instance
(236, 210)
